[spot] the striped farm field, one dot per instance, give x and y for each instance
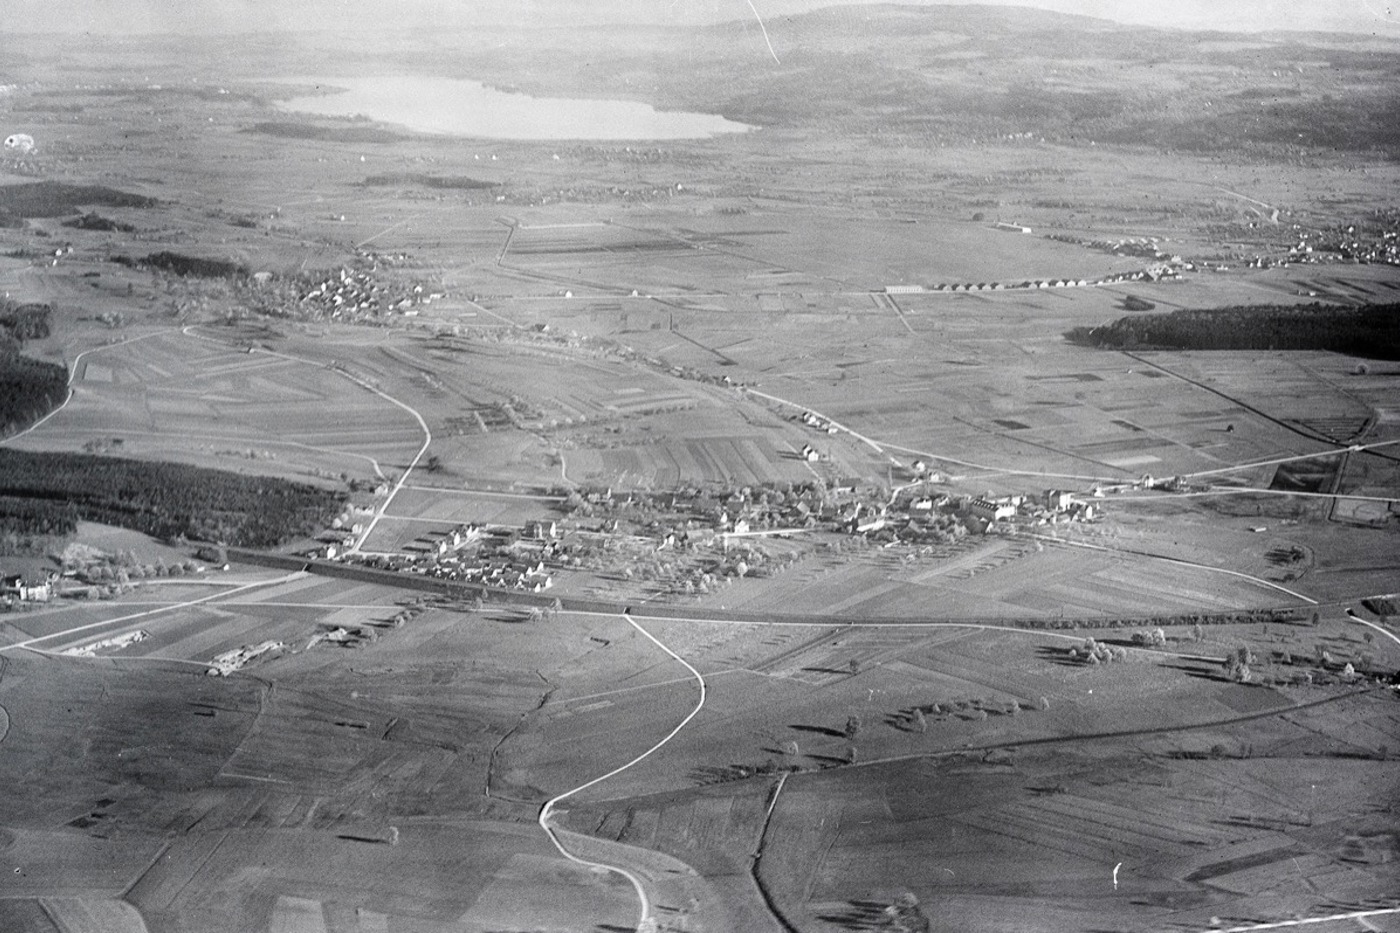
(176, 396)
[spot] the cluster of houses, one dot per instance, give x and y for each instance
(500, 557)
(914, 514)
(1052, 508)
(1348, 246)
(815, 421)
(30, 588)
(361, 292)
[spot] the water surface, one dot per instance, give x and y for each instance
(470, 108)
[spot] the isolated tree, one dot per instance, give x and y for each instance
(851, 754)
(852, 726)
(906, 916)
(854, 665)
(790, 748)
(1044, 704)
(919, 720)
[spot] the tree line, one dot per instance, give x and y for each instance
(29, 389)
(1371, 331)
(165, 500)
(21, 322)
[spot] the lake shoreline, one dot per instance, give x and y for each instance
(473, 109)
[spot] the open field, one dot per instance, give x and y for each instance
(1007, 579)
(1029, 823)
(1190, 839)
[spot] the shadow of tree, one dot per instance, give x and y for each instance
(819, 730)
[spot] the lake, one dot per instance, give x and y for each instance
(470, 108)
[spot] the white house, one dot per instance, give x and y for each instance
(991, 511)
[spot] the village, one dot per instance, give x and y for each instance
(687, 542)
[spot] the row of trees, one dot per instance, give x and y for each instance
(1370, 331)
(164, 500)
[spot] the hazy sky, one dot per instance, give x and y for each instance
(1380, 17)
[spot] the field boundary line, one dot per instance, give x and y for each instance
(646, 921)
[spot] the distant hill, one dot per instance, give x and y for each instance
(957, 74)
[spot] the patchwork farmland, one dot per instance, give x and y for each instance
(730, 533)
